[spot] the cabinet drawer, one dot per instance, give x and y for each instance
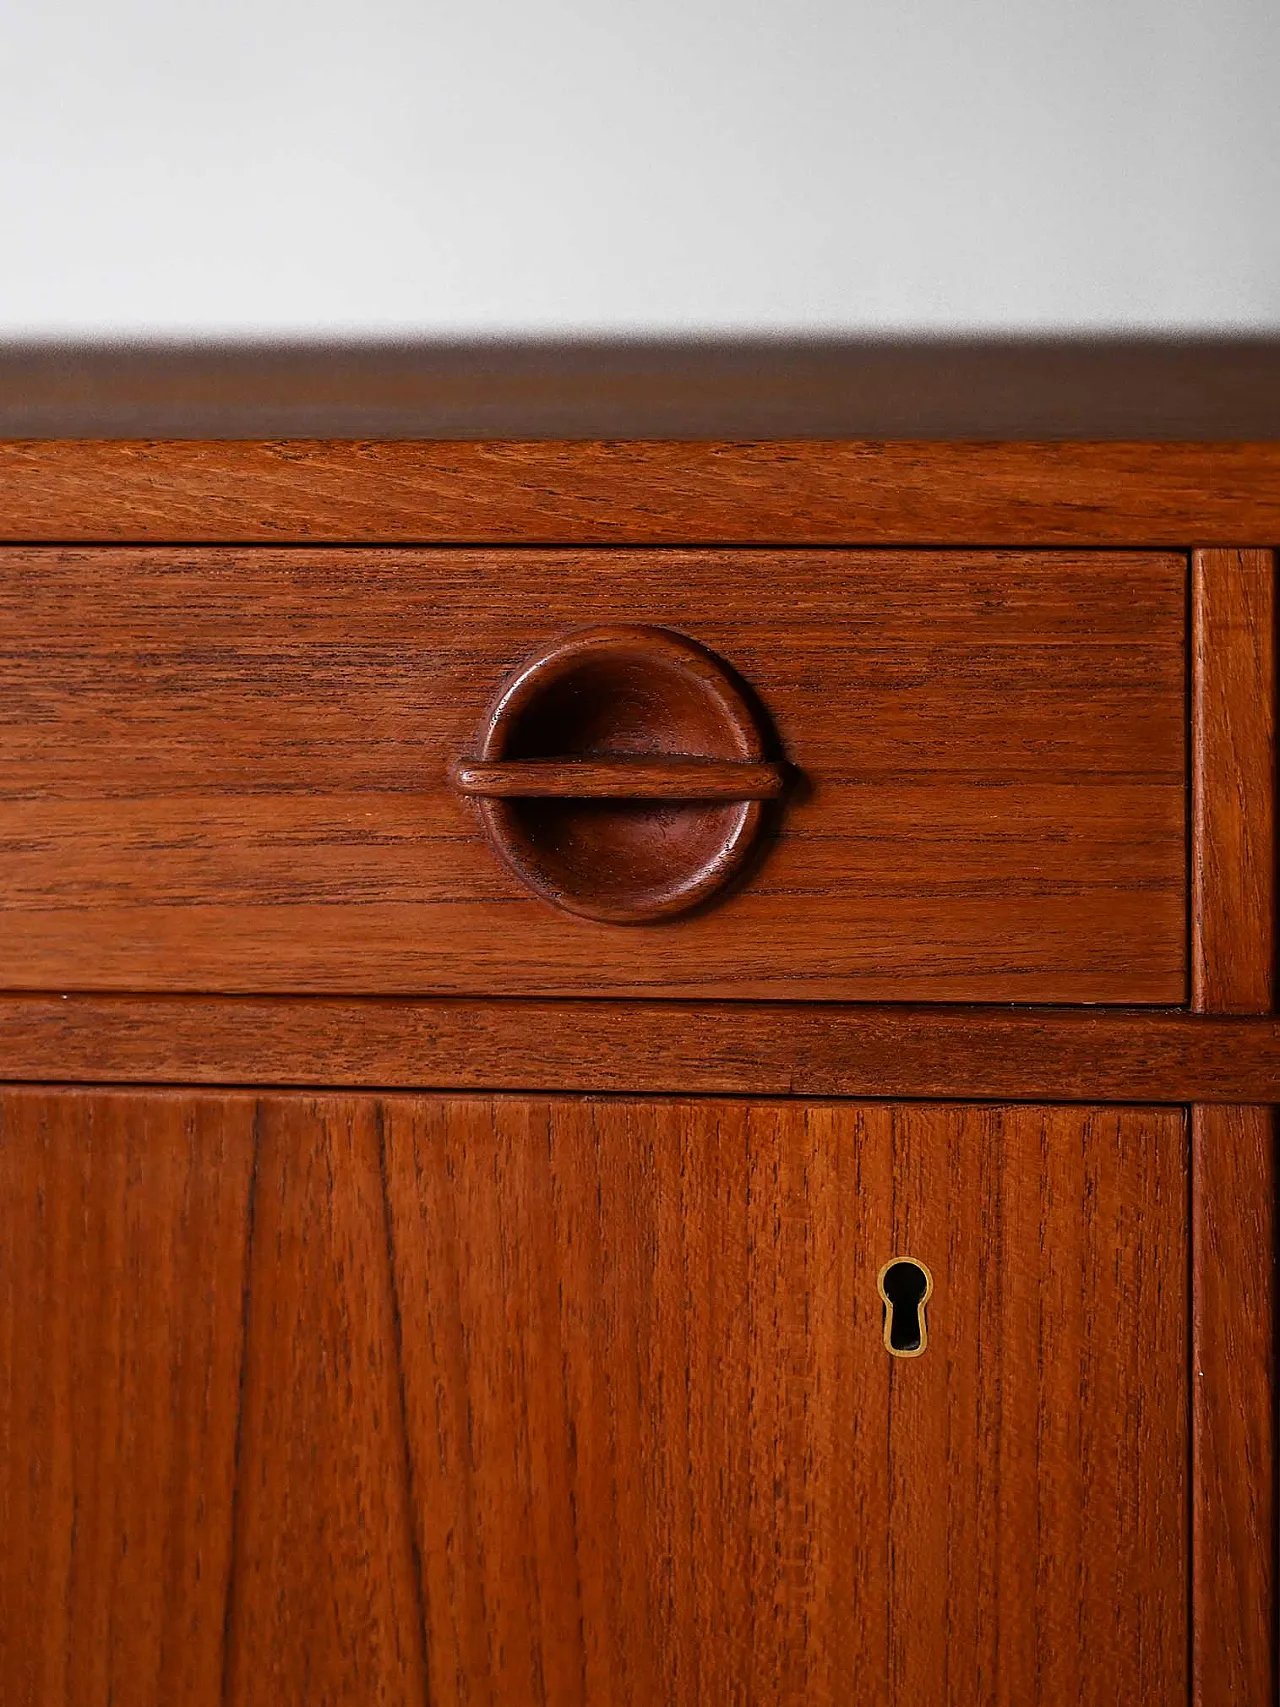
(229, 769)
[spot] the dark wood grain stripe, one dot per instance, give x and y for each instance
(397, 1317)
(246, 1296)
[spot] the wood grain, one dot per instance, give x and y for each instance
(123, 1226)
(662, 1455)
(227, 770)
(566, 1401)
(326, 1599)
(1234, 1167)
(798, 492)
(1234, 1237)
(1233, 838)
(724, 1048)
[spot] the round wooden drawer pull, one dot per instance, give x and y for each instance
(622, 774)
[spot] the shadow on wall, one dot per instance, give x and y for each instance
(1216, 387)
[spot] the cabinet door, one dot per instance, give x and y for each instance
(506, 1400)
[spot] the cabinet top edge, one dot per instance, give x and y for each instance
(651, 492)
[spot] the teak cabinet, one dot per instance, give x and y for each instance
(637, 1073)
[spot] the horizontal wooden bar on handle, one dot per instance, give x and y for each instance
(617, 779)
(639, 1047)
(674, 492)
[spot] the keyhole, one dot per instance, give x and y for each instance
(905, 1285)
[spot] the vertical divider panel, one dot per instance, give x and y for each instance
(1233, 1149)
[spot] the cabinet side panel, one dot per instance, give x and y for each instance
(1233, 855)
(1233, 1441)
(1234, 1173)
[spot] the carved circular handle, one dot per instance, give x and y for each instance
(621, 774)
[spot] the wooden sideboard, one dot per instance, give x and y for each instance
(638, 1072)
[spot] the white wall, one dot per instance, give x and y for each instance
(655, 165)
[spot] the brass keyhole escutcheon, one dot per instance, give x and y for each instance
(905, 1286)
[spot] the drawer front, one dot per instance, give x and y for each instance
(229, 769)
(541, 1400)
